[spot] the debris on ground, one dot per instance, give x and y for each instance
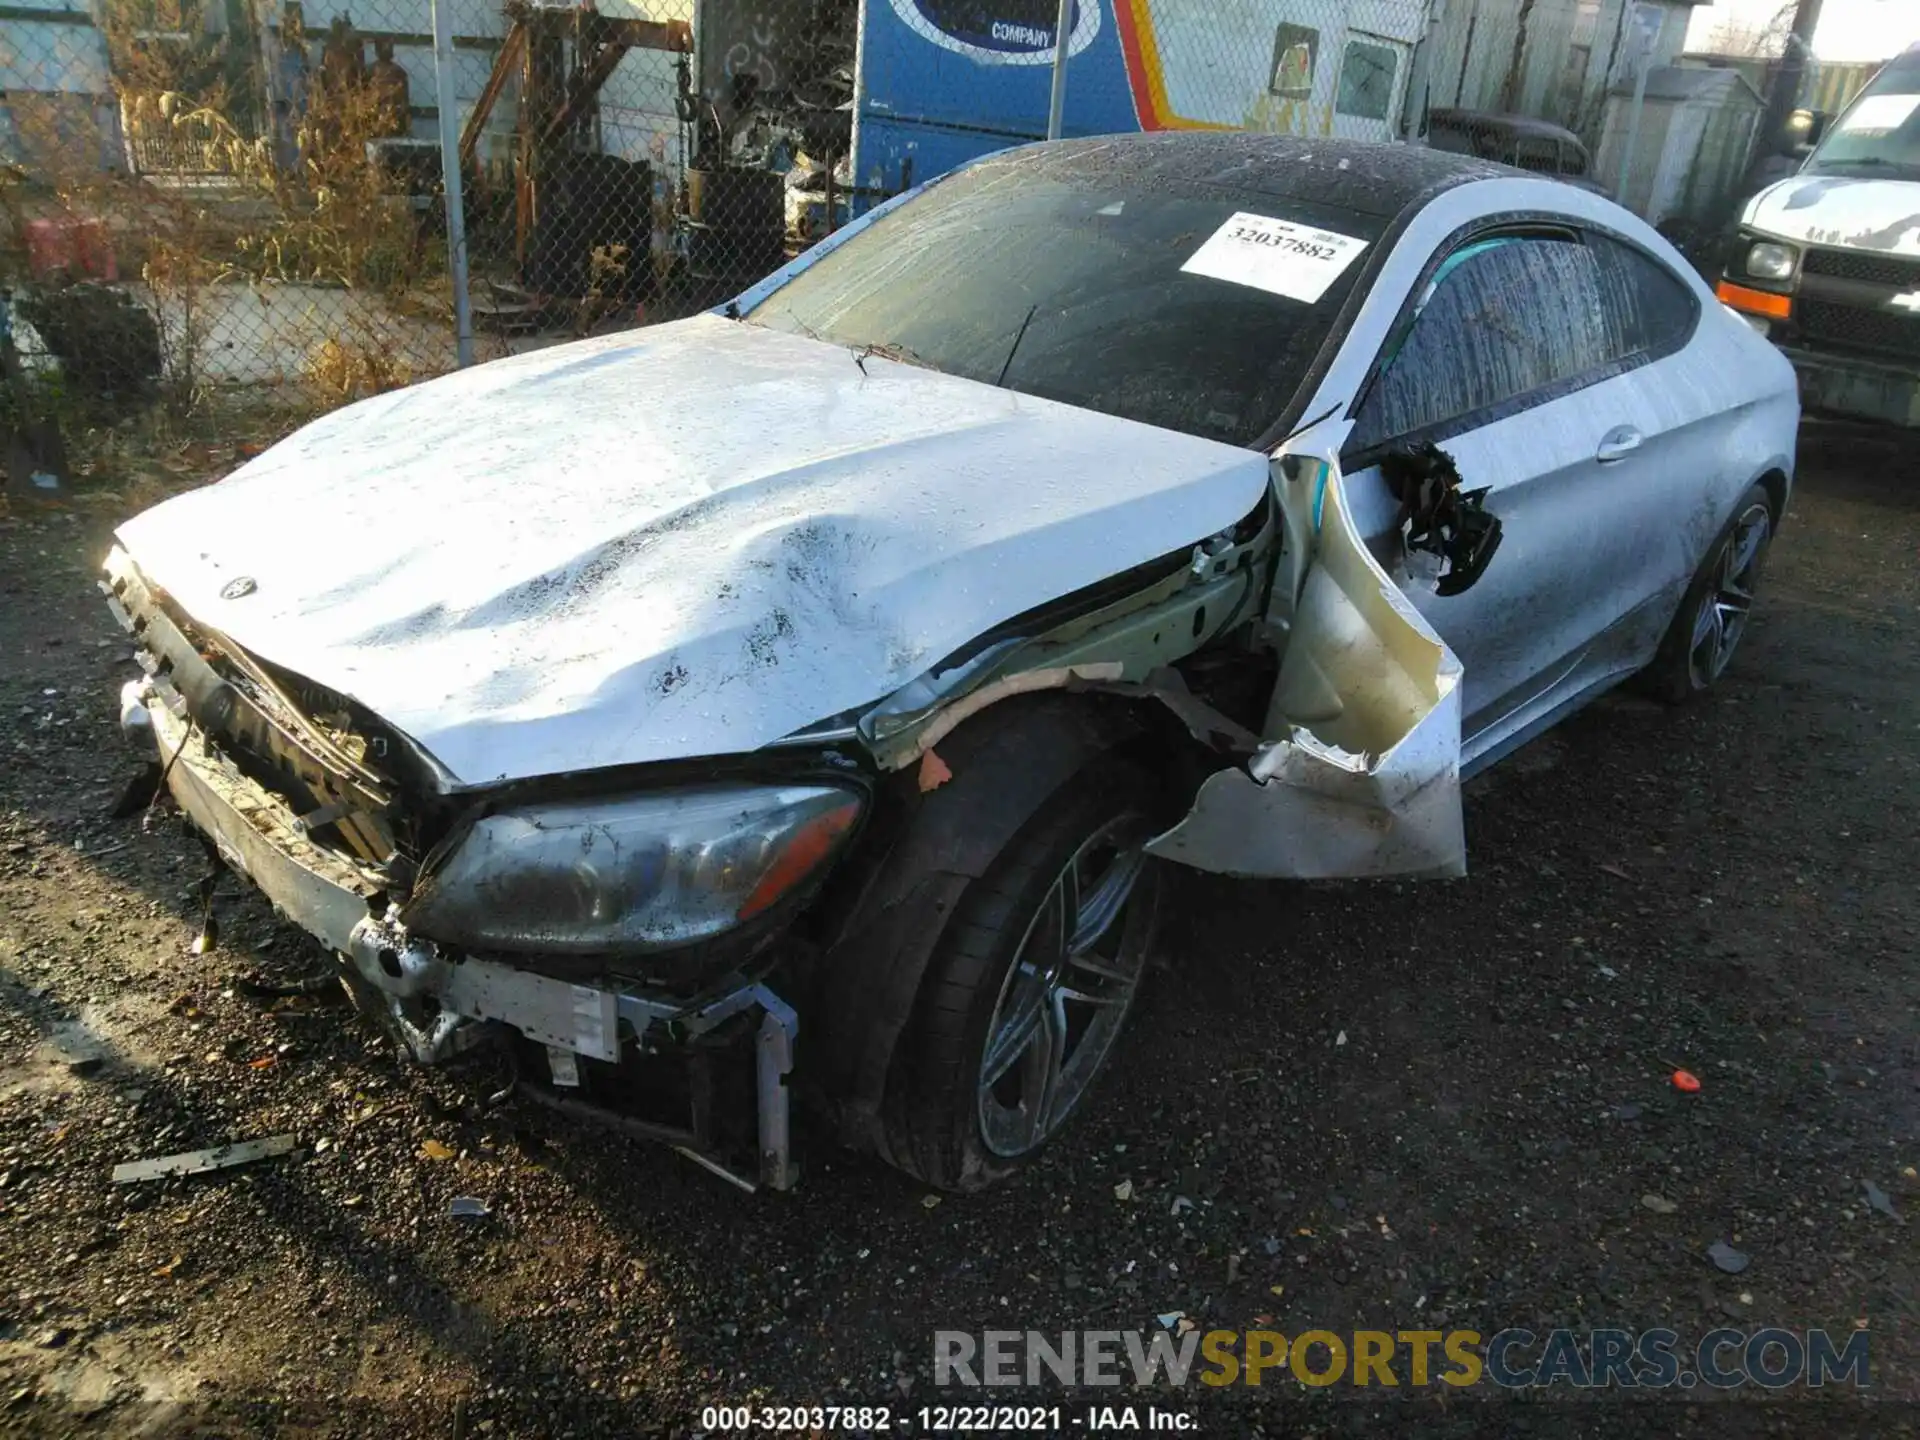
(1658, 1204)
(1877, 1198)
(198, 1162)
(1686, 1080)
(435, 1150)
(1726, 1257)
(469, 1207)
(1124, 1190)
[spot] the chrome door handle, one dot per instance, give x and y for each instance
(1617, 444)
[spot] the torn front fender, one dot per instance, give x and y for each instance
(1359, 770)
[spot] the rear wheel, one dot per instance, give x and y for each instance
(1030, 988)
(1713, 614)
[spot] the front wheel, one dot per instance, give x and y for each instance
(1030, 987)
(1713, 614)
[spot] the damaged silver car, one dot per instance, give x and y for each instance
(798, 703)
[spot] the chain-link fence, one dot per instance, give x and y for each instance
(249, 193)
(207, 196)
(639, 165)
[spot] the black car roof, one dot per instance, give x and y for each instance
(1375, 178)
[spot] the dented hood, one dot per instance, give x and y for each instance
(687, 540)
(1857, 214)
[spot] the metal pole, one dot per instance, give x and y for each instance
(449, 123)
(1057, 105)
(1784, 94)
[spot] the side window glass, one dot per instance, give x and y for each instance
(1502, 318)
(1649, 309)
(1366, 80)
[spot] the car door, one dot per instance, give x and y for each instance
(1514, 358)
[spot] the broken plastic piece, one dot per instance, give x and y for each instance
(469, 1207)
(197, 1162)
(1359, 773)
(1440, 518)
(934, 772)
(1686, 1080)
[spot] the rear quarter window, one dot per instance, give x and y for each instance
(1514, 320)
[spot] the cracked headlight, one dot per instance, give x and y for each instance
(1770, 261)
(647, 872)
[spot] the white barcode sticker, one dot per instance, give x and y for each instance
(1878, 114)
(1278, 256)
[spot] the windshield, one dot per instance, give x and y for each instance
(1881, 131)
(1058, 276)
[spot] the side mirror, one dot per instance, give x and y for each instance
(1804, 131)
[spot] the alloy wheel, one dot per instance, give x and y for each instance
(1722, 617)
(1067, 992)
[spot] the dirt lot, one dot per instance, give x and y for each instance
(1390, 1106)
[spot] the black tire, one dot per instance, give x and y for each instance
(937, 1126)
(1681, 668)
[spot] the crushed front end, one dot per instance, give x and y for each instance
(617, 943)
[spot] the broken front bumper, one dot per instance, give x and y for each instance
(439, 1004)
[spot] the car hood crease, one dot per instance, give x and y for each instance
(687, 540)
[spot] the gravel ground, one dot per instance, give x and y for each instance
(1389, 1106)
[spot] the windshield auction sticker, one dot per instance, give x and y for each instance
(1277, 256)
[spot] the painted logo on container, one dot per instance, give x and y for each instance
(1000, 32)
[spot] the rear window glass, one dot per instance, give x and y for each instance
(1062, 278)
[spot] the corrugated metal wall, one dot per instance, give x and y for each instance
(1548, 58)
(1832, 86)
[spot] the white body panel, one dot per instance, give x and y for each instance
(682, 541)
